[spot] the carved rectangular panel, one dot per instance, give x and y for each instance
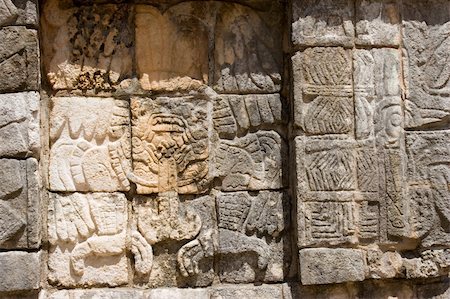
(323, 96)
(171, 145)
(89, 144)
(429, 179)
(88, 234)
(253, 236)
(88, 48)
(20, 204)
(18, 12)
(427, 44)
(255, 161)
(323, 23)
(19, 125)
(180, 233)
(19, 59)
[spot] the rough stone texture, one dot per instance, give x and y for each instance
(19, 125)
(20, 204)
(247, 292)
(88, 236)
(86, 48)
(20, 271)
(90, 144)
(19, 59)
(425, 35)
(18, 12)
(170, 144)
(323, 265)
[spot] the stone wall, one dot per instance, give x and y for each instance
(224, 149)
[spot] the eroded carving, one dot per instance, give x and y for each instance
(87, 47)
(252, 162)
(90, 144)
(88, 237)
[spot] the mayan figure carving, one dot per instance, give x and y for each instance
(224, 149)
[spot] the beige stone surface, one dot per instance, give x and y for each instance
(88, 237)
(89, 144)
(20, 271)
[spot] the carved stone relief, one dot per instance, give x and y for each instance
(90, 144)
(88, 237)
(20, 208)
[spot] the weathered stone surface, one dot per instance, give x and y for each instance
(440, 290)
(236, 115)
(179, 294)
(19, 59)
(87, 48)
(387, 264)
(87, 233)
(90, 144)
(20, 207)
(248, 292)
(19, 124)
(425, 35)
(116, 293)
(255, 161)
(323, 265)
(172, 47)
(323, 23)
(181, 234)
(247, 49)
(377, 23)
(20, 271)
(429, 177)
(18, 12)
(170, 144)
(431, 263)
(253, 243)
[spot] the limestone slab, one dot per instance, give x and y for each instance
(20, 271)
(426, 39)
(18, 12)
(89, 144)
(172, 47)
(88, 234)
(248, 292)
(171, 145)
(236, 115)
(19, 125)
(248, 49)
(86, 48)
(253, 239)
(20, 207)
(323, 23)
(325, 266)
(19, 59)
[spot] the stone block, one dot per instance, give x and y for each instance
(18, 12)
(88, 48)
(88, 237)
(175, 293)
(323, 23)
(174, 240)
(248, 48)
(429, 177)
(248, 292)
(20, 207)
(19, 59)
(426, 40)
(256, 161)
(19, 125)
(253, 241)
(171, 145)
(323, 95)
(116, 293)
(172, 47)
(89, 144)
(325, 266)
(236, 114)
(20, 271)
(377, 23)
